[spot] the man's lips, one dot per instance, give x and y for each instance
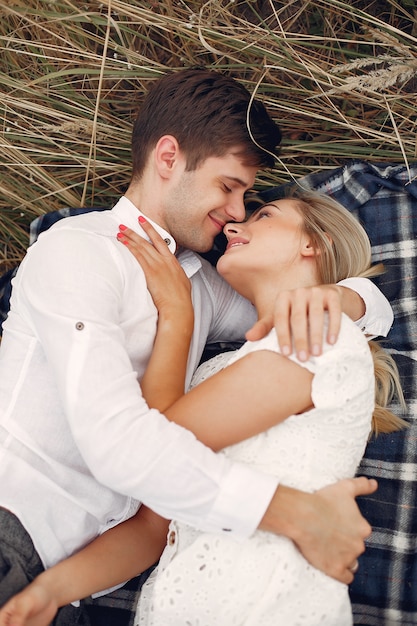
(218, 223)
(236, 241)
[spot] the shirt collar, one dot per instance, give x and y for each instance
(128, 213)
(190, 261)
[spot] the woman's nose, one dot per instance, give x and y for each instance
(231, 229)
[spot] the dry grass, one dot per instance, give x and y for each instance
(340, 80)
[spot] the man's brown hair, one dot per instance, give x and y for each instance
(207, 112)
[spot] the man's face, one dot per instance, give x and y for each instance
(201, 202)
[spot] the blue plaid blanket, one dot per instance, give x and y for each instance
(385, 588)
(384, 591)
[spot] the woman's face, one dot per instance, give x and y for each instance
(269, 241)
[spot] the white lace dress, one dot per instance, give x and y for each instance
(205, 579)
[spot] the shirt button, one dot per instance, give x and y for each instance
(79, 326)
(171, 538)
(167, 241)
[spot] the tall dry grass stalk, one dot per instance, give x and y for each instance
(340, 79)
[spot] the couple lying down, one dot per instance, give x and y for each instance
(308, 422)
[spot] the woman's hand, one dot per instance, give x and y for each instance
(164, 379)
(167, 283)
(34, 606)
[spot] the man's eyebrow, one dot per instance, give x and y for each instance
(239, 181)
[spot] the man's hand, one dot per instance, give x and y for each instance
(299, 319)
(326, 526)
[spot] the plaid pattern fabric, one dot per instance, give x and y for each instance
(117, 608)
(5, 293)
(384, 592)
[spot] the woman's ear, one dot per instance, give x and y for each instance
(308, 249)
(167, 154)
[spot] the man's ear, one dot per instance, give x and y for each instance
(167, 155)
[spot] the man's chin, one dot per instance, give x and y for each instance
(202, 244)
(207, 248)
(202, 247)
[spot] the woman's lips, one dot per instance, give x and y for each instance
(236, 241)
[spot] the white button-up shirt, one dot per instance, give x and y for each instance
(79, 447)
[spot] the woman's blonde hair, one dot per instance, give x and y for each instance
(343, 251)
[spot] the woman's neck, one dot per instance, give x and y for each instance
(265, 294)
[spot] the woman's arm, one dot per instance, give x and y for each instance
(164, 378)
(116, 556)
(246, 398)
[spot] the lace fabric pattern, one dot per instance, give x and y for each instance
(210, 580)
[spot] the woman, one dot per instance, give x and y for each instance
(308, 422)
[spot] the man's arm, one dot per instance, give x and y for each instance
(164, 465)
(299, 315)
(327, 525)
(378, 316)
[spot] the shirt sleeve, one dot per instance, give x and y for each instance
(379, 316)
(344, 372)
(233, 314)
(73, 305)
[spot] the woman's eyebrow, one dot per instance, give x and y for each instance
(263, 206)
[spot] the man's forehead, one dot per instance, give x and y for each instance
(234, 168)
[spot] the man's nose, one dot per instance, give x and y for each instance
(236, 210)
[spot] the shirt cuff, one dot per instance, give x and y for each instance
(242, 502)
(378, 317)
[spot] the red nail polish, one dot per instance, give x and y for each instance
(141, 219)
(122, 227)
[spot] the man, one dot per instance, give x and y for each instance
(79, 446)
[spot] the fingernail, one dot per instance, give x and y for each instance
(315, 350)
(285, 350)
(332, 339)
(302, 355)
(141, 219)
(122, 227)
